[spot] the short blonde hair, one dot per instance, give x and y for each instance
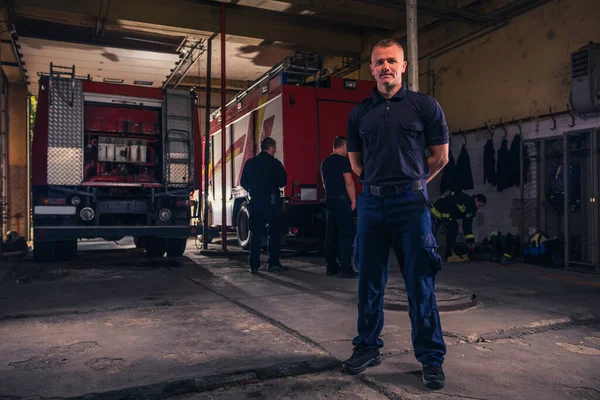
(388, 42)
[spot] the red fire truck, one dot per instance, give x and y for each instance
(304, 115)
(111, 161)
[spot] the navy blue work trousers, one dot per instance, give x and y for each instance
(339, 234)
(263, 213)
(401, 221)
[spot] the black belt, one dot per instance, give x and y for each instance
(392, 190)
(337, 197)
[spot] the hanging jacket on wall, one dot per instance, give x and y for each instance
(463, 176)
(489, 163)
(448, 173)
(503, 166)
(514, 178)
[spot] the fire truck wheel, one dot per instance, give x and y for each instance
(66, 251)
(139, 242)
(176, 247)
(43, 251)
(155, 247)
(243, 227)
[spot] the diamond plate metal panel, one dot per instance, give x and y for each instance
(178, 174)
(62, 165)
(179, 135)
(65, 132)
(179, 103)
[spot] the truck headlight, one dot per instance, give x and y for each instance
(86, 214)
(164, 214)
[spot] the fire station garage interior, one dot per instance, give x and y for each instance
(127, 221)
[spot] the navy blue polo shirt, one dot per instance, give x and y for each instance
(263, 175)
(393, 134)
(333, 169)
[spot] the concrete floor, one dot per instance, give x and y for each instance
(115, 324)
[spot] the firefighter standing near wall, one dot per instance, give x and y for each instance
(388, 134)
(340, 202)
(262, 177)
(448, 209)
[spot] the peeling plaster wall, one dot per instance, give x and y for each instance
(518, 71)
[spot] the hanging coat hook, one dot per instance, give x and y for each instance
(572, 124)
(463, 136)
(502, 126)
(519, 126)
(553, 119)
(489, 130)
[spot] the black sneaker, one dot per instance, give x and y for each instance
(433, 376)
(332, 271)
(253, 270)
(361, 359)
(276, 268)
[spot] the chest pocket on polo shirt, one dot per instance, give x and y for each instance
(412, 137)
(368, 133)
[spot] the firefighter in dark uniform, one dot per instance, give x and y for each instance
(262, 177)
(388, 135)
(340, 202)
(456, 205)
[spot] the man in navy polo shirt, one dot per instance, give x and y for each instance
(388, 134)
(340, 202)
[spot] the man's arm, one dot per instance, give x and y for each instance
(246, 179)
(356, 161)
(282, 176)
(350, 188)
(437, 161)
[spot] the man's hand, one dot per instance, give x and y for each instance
(353, 205)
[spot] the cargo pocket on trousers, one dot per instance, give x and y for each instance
(429, 246)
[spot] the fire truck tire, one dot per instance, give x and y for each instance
(176, 247)
(139, 242)
(43, 252)
(66, 251)
(155, 247)
(243, 227)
